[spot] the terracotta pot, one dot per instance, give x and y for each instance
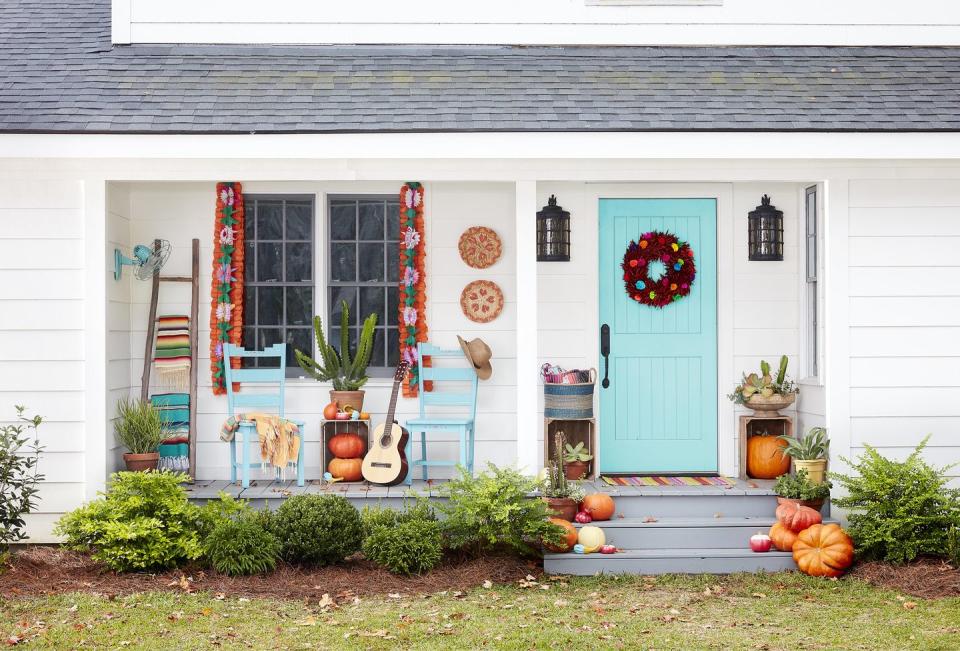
(774, 403)
(575, 470)
(347, 398)
(141, 462)
(816, 468)
(563, 507)
(816, 505)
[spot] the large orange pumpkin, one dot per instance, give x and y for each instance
(823, 550)
(599, 505)
(765, 457)
(569, 533)
(797, 517)
(782, 537)
(346, 469)
(347, 446)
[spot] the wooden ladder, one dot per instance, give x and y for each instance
(194, 280)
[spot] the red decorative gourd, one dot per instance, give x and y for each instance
(570, 536)
(346, 469)
(823, 550)
(765, 457)
(599, 505)
(782, 537)
(347, 446)
(797, 517)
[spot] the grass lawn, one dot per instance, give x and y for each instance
(782, 611)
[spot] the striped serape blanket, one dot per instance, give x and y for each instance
(172, 356)
(175, 413)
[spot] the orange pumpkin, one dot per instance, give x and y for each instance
(330, 411)
(823, 550)
(346, 469)
(782, 537)
(765, 457)
(797, 517)
(347, 446)
(599, 505)
(569, 536)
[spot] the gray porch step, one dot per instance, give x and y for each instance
(669, 561)
(678, 504)
(684, 533)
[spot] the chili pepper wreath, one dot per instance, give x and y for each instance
(677, 259)
(226, 309)
(413, 289)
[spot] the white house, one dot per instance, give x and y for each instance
(118, 119)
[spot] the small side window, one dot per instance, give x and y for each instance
(812, 296)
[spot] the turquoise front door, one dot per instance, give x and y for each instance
(658, 413)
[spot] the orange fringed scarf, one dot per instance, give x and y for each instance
(226, 308)
(413, 285)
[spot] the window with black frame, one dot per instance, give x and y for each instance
(278, 275)
(363, 270)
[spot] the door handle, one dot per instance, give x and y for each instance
(605, 351)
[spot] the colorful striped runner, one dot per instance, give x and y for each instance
(722, 482)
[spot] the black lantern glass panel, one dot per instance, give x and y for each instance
(766, 232)
(553, 233)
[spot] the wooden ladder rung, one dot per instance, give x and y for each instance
(176, 279)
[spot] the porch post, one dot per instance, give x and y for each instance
(527, 422)
(96, 270)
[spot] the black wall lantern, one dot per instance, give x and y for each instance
(553, 233)
(766, 232)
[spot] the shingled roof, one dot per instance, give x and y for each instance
(59, 72)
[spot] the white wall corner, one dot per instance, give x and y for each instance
(120, 21)
(96, 273)
(528, 423)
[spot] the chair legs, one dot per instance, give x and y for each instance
(408, 452)
(245, 457)
(463, 447)
(245, 460)
(233, 460)
(423, 453)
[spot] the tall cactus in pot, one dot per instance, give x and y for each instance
(344, 371)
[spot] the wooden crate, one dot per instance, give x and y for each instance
(774, 424)
(575, 431)
(330, 428)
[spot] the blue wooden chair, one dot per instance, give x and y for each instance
(247, 431)
(465, 378)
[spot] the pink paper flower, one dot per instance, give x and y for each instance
(226, 235)
(411, 238)
(412, 198)
(409, 355)
(409, 316)
(223, 311)
(410, 276)
(224, 273)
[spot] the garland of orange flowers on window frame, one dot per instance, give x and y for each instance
(413, 287)
(226, 308)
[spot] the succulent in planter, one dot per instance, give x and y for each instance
(561, 494)
(763, 391)
(139, 428)
(345, 371)
(799, 488)
(575, 459)
(809, 453)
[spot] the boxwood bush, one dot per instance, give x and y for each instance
(410, 547)
(242, 545)
(380, 516)
(317, 529)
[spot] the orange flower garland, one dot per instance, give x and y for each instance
(226, 308)
(412, 315)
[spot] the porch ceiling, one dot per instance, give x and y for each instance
(60, 73)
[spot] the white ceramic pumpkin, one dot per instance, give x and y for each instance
(591, 538)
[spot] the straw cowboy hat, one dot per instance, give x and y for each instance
(477, 353)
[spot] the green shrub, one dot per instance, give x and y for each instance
(799, 487)
(223, 509)
(899, 509)
(317, 529)
(242, 545)
(493, 509)
(19, 480)
(411, 547)
(379, 516)
(143, 522)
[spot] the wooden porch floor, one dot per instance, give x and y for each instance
(263, 489)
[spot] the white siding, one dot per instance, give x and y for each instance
(181, 211)
(41, 331)
(905, 316)
(721, 22)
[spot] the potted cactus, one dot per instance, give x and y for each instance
(575, 460)
(765, 392)
(346, 371)
(560, 494)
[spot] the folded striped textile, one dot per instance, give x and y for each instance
(174, 411)
(172, 355)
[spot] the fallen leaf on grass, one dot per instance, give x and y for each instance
(759, 595)
(488, 584)
(310, 620)
(560, 603)
(325, 601)
(909, 605)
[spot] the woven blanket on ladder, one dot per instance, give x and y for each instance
(175, 414)
(172, 356)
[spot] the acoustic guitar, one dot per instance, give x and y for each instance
(386, 461)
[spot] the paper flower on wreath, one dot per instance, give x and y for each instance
(410, 316)
(224, 273)
(411, 198)
(410, 276)
(226, 236)
(224, 311)
(411, 238)
(409, 355)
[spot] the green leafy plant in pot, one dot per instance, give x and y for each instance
(800, 489)
(139, 428)
(346, 371)
(575, 460)
(809, 453)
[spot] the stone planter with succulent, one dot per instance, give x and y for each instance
(809, 453)
(561, 494)
(764, 392)
(345, 371)
(800, 489)
(576, 460)
(139, 428)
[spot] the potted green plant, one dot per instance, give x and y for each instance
(561, 494)
(575, 460)
(346, 371)
(809, 453)
(139, 428)
(798, 488)
(765, 392)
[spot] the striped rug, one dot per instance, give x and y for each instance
(723, 482)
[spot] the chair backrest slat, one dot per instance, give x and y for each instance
(273, 377)
(463, 376)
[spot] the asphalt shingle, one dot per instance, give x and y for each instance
(60, 73)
